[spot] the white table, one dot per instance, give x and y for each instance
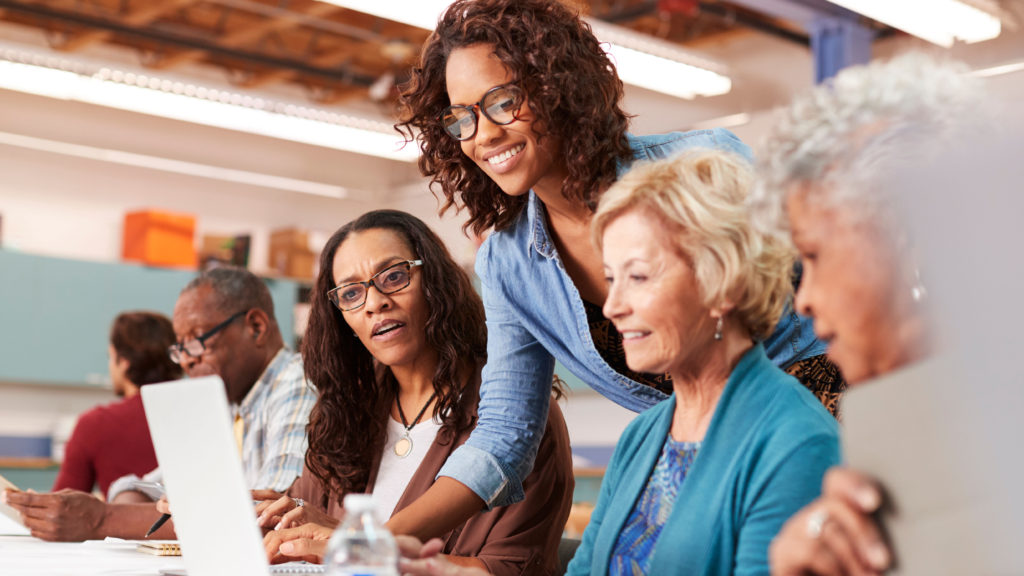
(27, 556)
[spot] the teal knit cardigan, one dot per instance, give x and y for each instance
(763, 458)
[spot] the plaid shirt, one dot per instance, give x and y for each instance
(275, 412)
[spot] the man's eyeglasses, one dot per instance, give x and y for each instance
(500, 105)
(388, 281)
(196, 346)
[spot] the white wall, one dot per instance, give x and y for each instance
(61, 205)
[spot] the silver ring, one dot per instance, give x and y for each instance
(299, 502)
(816, 523)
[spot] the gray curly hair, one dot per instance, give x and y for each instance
(847, 135)
(234, 289)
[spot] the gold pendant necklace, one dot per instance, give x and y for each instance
(403, 446)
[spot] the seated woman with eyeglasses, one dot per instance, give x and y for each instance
(395, 344)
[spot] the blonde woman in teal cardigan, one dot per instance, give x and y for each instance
(701, 483)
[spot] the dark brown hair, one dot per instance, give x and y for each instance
(572, 89)
(142, 338)
(348, 424)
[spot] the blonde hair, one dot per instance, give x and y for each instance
(700, 197)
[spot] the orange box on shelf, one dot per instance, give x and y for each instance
(159, 238)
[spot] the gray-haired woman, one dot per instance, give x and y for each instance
(827, 174)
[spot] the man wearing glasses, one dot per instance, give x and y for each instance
(225, 325)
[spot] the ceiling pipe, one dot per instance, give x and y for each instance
(186, 42)
(716, 9)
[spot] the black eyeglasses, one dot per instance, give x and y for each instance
(500, 105)
(196, 346)
(388, 281)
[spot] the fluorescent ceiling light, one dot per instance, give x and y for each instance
(173, 166)
(641, 60)
(66, 80)
(419, 13)
(730, 121)
(937, 21)
(999, 70)
(655, 64)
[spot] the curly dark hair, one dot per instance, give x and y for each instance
(142, 338)
(348, 424)
(572, 89)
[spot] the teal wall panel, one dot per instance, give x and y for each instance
(55, 314)
(38, 479)
(285, 294)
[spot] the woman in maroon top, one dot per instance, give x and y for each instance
(113, 440)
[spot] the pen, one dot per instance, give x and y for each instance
(156, 525)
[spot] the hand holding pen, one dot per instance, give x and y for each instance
(164, 507)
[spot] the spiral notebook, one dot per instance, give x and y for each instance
(159, 547)
(191, 428)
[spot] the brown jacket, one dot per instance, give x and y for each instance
(519, 539)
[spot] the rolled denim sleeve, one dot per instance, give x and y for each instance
(514, 395)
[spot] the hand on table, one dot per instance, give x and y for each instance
(835, 534)
(65, 516)
(306, 542)
(288, 512)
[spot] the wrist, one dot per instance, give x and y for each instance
(101, 527)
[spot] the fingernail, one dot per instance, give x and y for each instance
(878, 555)
(869, 498)
(278, 527)
(287, 548)
(261, 519)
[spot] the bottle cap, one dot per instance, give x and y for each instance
(356, 503)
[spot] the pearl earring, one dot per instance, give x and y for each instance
(918, 291)
(718, 329)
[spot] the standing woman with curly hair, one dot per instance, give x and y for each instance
(395, 344)
(516, 108)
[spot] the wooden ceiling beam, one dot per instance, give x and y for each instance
(252, 33)
(140, 17)
(162, 38)
(340, 96)
(325, 60)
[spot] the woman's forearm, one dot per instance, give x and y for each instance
(442, 508)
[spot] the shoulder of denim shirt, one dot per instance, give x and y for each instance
(661, 146)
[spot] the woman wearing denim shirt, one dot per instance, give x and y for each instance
(516, 109)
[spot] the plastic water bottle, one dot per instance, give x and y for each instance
(361, 546)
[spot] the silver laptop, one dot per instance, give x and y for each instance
(190, 423)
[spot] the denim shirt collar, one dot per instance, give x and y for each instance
(538, 226)
(539, 238)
